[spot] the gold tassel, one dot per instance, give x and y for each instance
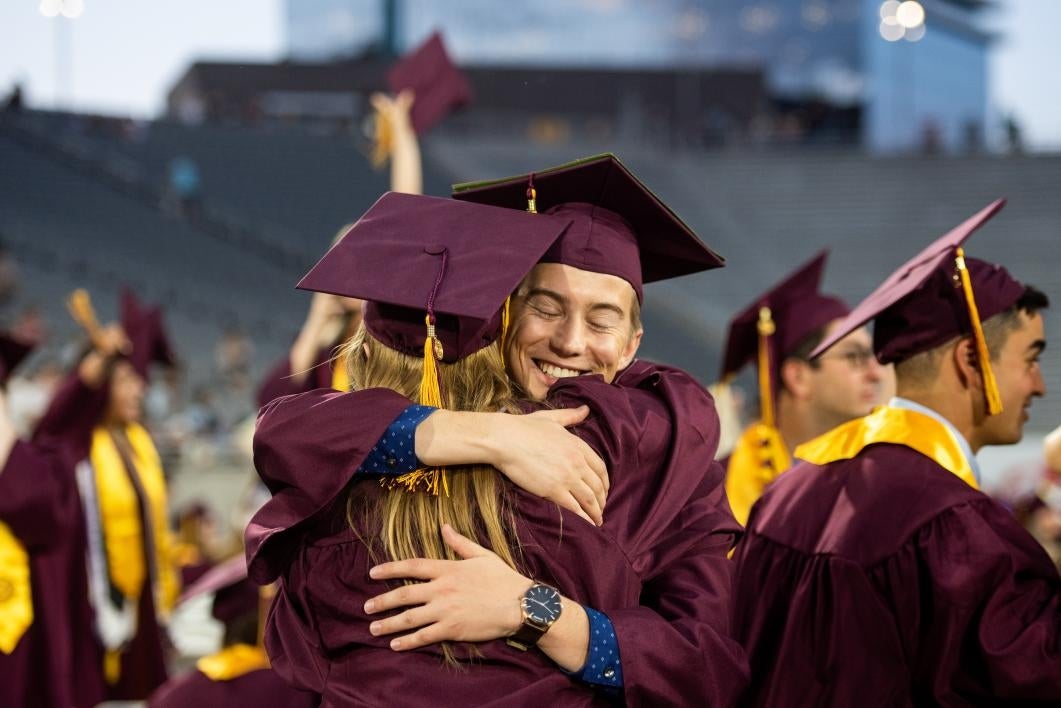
(994, 400)
(532, 196)
(506, 315)
(428, 479)
(766, 329)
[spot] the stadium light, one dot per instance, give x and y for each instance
(910, 14)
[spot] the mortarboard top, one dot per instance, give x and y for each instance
(934, 297)
(409, 255)
(147, 334)
(797, 309)
(620, 227)
(12, 352)
(234, 594)
(438, 86)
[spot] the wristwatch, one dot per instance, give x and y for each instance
(541, 608)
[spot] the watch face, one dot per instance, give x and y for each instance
(542, 604)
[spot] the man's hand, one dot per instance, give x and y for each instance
(471, 600)
(536, 452)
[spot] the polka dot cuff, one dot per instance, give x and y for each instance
(603, 667)
(395, 452)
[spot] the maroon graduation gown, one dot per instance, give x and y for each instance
(278, 381)
(657, 567)
(256, 689)
(67, 426)
(885, 580)
(54, 663)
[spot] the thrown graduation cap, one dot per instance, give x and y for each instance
(412, 256)
(234, 594)
(619, 226)
(772, 327)
(438, 86)
(934, 297)
(147, 334)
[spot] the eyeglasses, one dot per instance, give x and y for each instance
(857, 359)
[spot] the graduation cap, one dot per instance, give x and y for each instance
(936, 296)
(619, 226)
(439, 87)
(147, 334)
(771, 328)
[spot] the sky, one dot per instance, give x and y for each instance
(123, 55)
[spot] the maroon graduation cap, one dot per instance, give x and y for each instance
(619, 226)
(771, 328)
(411, 256)
(439, 87)
(936, 296)
(147, 334)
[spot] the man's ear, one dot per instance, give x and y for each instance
(795, 377)
(630, 351)
(965, 362)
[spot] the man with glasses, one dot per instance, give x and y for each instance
(800, 399)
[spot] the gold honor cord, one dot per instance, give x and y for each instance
(994, 400)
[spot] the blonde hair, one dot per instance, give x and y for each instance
(409, 524)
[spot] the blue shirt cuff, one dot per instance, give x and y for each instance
(603, 666)
(395, 452)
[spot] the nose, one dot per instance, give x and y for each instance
(1039, 385)
(569, 339)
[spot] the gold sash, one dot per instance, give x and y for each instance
(119, 514)
(759, 456)
(900, 426)
(233, 661)
(16, 597)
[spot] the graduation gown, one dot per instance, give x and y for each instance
(67, 426)
(886, 579)
(256, 689)
(657, 567)
(54, 663)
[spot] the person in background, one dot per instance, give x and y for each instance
(238, 675)
(874, 571)
(800, 398)
(125, 581)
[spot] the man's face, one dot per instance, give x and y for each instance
(1019, 381)
(125, 403)
(847, 383)
(568, 322)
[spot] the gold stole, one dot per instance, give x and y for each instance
(119, 514)
(759, 456)
(16, 597)
(900, 426)
(233, 661)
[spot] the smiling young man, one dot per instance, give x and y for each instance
(874, 569)
(800, 398)
(576, 313)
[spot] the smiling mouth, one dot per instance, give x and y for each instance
(557, 372)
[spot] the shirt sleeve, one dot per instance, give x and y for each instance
(395, 453)
(603, 665)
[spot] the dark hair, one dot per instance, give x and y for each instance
(998, 327)
(802, 350)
